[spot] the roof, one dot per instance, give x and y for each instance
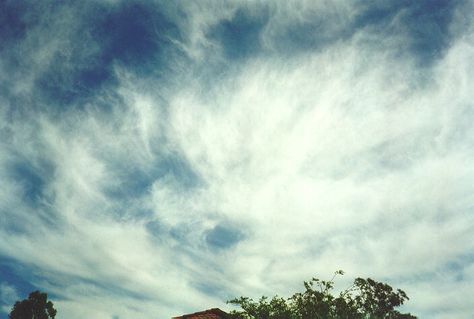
(214, 313)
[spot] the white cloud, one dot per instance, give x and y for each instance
(340, 158)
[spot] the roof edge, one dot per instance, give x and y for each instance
(215, 311)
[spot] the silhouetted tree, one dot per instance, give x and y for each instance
(36, 306)
(365, 299)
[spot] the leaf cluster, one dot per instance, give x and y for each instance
(365, 299)
(36, 306)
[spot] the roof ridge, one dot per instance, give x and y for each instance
(215, 311)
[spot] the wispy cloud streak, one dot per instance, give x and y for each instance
(157, 158)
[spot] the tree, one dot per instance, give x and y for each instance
(365, 299)
(36, 306)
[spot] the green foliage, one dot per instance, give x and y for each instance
(365, 299)
(36, 306)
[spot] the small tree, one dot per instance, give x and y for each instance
(36, 306)
(365, 299)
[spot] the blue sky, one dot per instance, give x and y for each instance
(162, 157)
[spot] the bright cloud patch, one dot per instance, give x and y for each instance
(161, 158)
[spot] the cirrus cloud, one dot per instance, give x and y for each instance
(161, 158)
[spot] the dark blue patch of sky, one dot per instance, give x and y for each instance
(240, 35)
(31, 181)
(223, 236)
(133, 35)
(134, 181)
(424, 23)
(13, 22)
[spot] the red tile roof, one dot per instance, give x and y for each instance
(214, 313)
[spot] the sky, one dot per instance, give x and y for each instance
(162, 157)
